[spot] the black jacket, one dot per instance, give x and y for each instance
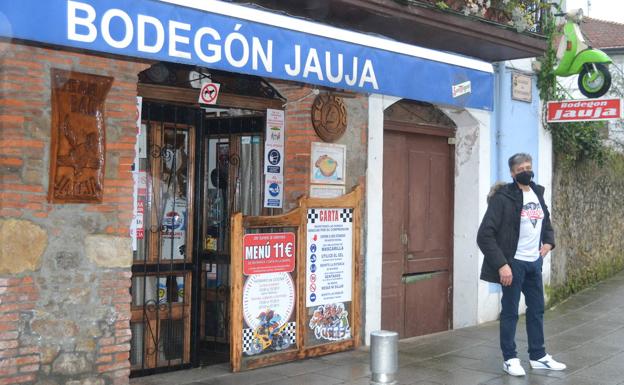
(500, 228)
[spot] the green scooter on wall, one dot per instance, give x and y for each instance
(577, 57)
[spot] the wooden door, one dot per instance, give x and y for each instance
(417, 230)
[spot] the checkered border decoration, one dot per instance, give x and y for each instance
(313, 215)
(290, 329)
(346, 215)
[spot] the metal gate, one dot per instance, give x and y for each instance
(197, 170)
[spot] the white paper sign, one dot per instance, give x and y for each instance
(136, 227)
(273, 190)
(462, 89)
(142, 141)
(268, 292)
(326, 191)
(329, 256)
(274, 143)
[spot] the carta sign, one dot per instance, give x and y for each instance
(189, 32)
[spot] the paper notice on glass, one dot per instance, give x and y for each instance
(274, 142)
(273, 191)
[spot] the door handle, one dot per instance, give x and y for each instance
(410, 256)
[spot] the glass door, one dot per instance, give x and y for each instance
(196, 173)
(163, 262)
(232, 182)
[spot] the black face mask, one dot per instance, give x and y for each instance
(524, 177)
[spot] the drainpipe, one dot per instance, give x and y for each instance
(498, 118)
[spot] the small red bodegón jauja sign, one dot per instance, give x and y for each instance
(584, 110)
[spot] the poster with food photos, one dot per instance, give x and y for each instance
(327, 163)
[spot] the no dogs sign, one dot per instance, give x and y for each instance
(209, 93)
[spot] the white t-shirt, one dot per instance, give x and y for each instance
(531, 218)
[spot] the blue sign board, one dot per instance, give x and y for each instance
(161, 31)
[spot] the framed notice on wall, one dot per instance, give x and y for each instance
(521, 87)
(328, 163)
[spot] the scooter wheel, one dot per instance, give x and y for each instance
(597, 87)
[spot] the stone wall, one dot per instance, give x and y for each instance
(587, 217)
(64, 269)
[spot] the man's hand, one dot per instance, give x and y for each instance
(505, 275)
(545, 249)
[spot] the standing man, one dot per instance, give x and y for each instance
(514, 236)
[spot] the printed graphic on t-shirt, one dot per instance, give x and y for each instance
(532, 211)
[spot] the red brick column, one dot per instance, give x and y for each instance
(64, 314)
(18, 363)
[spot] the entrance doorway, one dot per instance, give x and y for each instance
(200, 166)
(417, 224)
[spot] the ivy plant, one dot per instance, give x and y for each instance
(572, 142)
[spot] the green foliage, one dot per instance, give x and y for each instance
(578, 141)
(573, 142)
(442, 5)
(584, 278)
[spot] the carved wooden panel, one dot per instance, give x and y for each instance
(77, 137)
(329, 117)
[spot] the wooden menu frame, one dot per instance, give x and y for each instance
(297, 218)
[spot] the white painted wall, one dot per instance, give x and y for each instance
(374, 208)
(474, 301)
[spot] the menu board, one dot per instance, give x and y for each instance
(329, 245)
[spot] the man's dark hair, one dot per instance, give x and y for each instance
(518, 158)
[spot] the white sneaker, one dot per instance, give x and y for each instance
(547, 362)
(513, 367)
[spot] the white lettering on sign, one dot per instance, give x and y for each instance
(583, 110)
(596, 113)
(73, 21)
(128, 28)
(313, 65)
(258, 252)
(184, 40)
(280, 250)
(244, 44)
(214, 49)
(142, 21)
(258, 52)
(174, 38)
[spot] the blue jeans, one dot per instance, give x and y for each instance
(527, 278)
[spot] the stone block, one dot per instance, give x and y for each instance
(85, 345)
(93, 381)
(47, 381)
(48, 354)
(109, 251)
(50, 328)
(66, 260)
(22, 244)
(71, 364)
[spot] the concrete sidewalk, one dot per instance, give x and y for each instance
(586, 332)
